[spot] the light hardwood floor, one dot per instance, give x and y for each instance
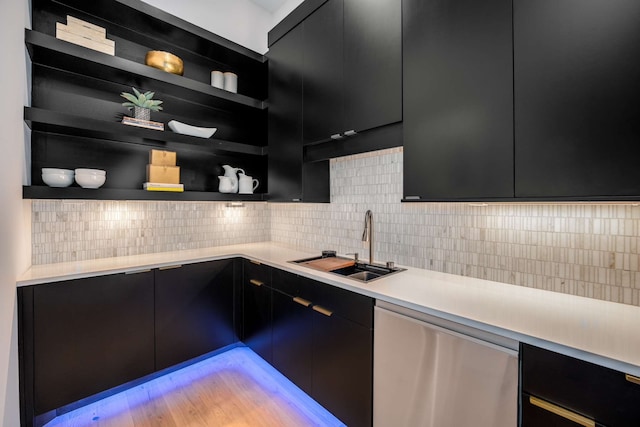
(233, 389)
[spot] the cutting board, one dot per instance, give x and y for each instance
(330, 263)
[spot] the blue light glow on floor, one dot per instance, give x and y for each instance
(246, 365)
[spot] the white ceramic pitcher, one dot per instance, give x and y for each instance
(225, 185)
(247, 184)
(230, 172)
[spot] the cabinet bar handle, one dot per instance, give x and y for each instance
(302, 301)
(170, 267)
(350, 132)
(256, 282)
(336, 136)
(322, 310)
(632, 379)
(564, 413)
(137, 271)
(253, 261)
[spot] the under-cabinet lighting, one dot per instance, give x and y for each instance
(235, 204)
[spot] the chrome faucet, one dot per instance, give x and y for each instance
(367, 235)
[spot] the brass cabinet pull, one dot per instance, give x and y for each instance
(252, 261)
(632, 378)
(564, 413)
(302, 301)
(256, 282)
(170, 267)
(137, 271)
(322, 310)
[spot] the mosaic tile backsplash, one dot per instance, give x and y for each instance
(81, 230)
(581, 249)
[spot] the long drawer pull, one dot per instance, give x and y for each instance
(632, 378)
(137, 271)
(256, 282)
(302, 301)
(322, 310)
(564, 413)
(170, 267)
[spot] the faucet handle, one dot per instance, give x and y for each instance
(355, 256)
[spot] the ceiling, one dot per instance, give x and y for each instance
(269, 5)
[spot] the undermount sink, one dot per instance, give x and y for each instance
(360, 271)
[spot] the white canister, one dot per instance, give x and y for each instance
(217, 79)
(231, 82)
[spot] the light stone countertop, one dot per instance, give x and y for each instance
(601, 332)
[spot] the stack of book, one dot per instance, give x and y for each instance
(132, 121)
(162, 172)
(85, 34)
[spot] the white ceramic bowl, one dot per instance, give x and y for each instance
(98, 172)
(185, 129)
(57, 177)
(87, 179)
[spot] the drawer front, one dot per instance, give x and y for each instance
(293, 285)
(597, 392)
(256, 273)
(536, 413)
(350, 305)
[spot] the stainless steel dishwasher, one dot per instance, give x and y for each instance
(431, 372)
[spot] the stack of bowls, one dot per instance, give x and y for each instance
(54, 177)
(90, 178)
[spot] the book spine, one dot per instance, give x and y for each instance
(85, 42)
(72, 20)
(86, 33)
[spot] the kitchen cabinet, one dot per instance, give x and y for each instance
(256, 308)
(290, 178)
(352, 68)
(194, 310)
(559, 390)
(576, 91)
(82, 337)
(457, 100)
(432, 372)
(76, 105)
(322, 341)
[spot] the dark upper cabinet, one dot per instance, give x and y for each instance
(89, 335)
(194, 311)
(290, 179)
(352, 67)
(458, 99)
(576, 98)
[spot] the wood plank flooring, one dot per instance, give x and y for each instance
(233, 389)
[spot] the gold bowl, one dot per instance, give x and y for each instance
(164, 61)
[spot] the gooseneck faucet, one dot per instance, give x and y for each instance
(367, 235)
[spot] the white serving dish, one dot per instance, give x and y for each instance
(185, 129)
(57, 177)
(90, 178)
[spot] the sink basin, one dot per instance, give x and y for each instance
(366, 272)
(348, 268)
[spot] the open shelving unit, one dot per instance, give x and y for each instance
(76, 109)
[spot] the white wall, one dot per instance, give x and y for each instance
(240, 21)
(13, 259)
(286, 8)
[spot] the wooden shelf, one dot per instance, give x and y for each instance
(77, 193)
(49, 51)
(66, 124)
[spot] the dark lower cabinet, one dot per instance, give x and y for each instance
(579, 389)
(576, 69)
(256, 308)
(194, 310)
(87, 335)
(457, 99)
(321, 348)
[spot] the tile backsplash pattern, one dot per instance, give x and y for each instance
(82, 230)
(581, 249)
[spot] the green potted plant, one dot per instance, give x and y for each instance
(141, 103)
